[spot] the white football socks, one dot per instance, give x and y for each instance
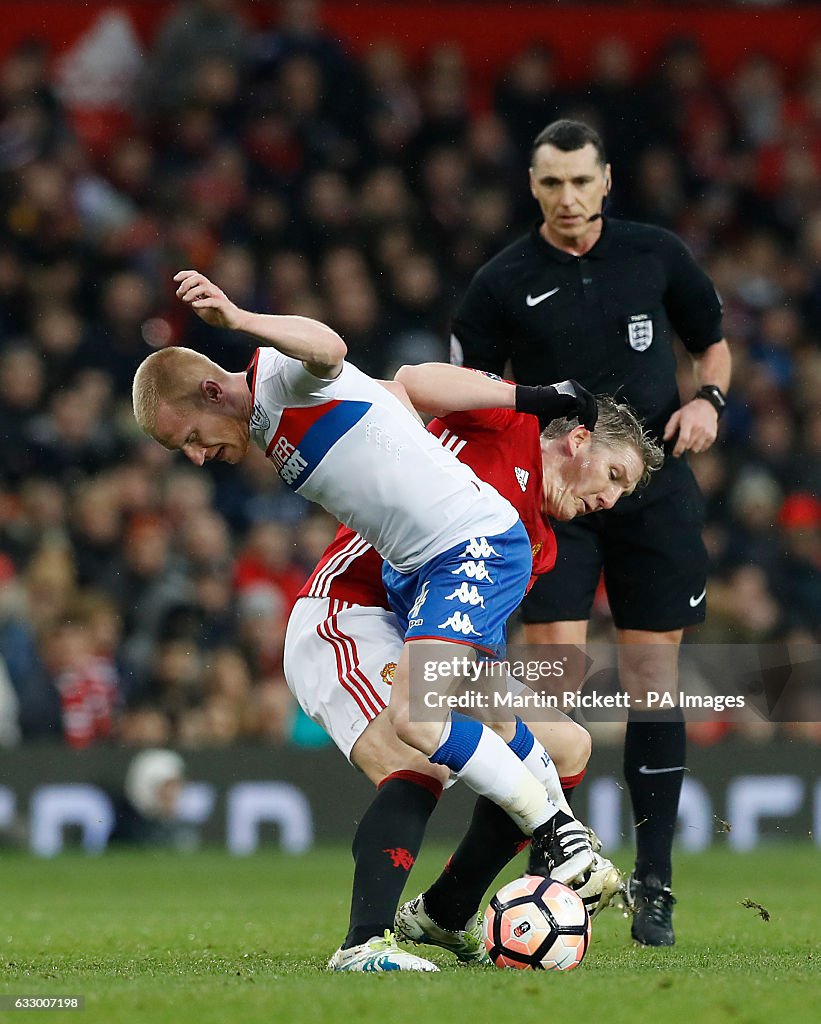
(490, 768)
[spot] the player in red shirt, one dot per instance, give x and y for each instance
(343, 642)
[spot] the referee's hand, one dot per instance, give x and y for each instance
(565, 400)
(696, 425)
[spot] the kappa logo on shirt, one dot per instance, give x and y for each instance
(522, 475)
(459, 622)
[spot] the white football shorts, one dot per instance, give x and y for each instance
(340, 659)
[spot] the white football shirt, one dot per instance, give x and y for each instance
(351, 446)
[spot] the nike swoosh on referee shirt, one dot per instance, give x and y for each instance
(534, 300)
(696, 601)
(644, 770)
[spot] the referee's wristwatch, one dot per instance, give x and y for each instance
(713, 394)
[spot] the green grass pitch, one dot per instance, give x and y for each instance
(207, 938)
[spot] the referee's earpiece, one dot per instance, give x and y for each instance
(600, 214)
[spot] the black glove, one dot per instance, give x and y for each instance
(565, 400)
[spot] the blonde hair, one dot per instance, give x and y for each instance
(617, 426)
(171, 376)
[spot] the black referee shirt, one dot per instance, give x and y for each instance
(606, 319)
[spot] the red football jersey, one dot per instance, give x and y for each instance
(500, 446)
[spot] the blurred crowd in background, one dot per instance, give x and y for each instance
(143, 601)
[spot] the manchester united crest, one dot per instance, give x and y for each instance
(388, 672)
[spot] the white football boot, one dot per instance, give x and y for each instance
(598, 885)
(378, 955)
(414, 925)
(595, 842)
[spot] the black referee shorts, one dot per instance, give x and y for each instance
(652, 553)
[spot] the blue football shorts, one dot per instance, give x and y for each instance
(466, 594)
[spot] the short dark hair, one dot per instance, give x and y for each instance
(568, 136)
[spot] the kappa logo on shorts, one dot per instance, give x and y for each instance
(473, 571)
(479, 548)
(459, 622)
(421, 597)
(467, 594)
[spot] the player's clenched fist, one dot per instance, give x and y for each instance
(554, 401)
(210, 303)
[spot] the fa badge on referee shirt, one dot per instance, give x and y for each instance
(640, 331)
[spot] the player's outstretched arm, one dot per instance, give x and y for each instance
(441, 388)
(314, 343)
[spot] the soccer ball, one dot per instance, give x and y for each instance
(536, 924)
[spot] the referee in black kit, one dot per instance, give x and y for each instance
(596, 299)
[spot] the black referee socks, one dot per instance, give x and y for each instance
(655, 750)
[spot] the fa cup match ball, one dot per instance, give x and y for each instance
(536, 924)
